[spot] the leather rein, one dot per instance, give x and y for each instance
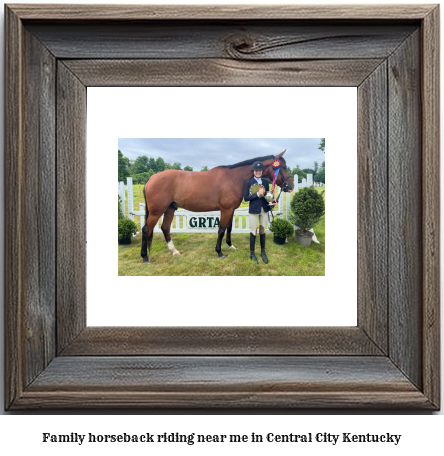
(283, 188)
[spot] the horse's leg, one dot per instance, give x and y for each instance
(147, 235)
(166, 227)
(226, 219)
(144, 250)
(228, 238)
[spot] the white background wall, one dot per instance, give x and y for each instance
(336, 121)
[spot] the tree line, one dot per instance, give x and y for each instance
(317, 171)
(143, 167)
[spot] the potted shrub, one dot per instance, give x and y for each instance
(126, 230)
(281, 229)
(307, 207)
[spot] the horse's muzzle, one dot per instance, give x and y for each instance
(286, 188)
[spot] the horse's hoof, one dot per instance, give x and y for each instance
(146, 260)
(222, 256)
(176, 253)
(232, 247)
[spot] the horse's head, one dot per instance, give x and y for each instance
(284, 179)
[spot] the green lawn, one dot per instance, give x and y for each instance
(198, 257)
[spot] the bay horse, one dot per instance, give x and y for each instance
(219, 189)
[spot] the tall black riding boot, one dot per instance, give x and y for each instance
(252, 244)
(263, 254)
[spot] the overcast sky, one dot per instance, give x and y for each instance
(213, 152)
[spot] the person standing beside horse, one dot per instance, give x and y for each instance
(219, 189)
(258, 209)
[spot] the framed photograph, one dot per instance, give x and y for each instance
(389, 359)
(223, 115)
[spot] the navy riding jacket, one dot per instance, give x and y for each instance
(256, 203)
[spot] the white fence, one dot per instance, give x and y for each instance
(309, 182)
(202, 222)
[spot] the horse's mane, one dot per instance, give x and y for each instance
(250, 162)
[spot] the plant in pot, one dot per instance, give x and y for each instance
(307, 207)
(281, 229)
(126, 230)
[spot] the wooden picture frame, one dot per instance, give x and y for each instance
(390, 360)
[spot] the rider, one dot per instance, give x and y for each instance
(258, 209)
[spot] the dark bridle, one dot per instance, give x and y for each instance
(284, 187)
(284, 180)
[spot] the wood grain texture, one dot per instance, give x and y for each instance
(127, 341)
(71, 206)
(13, 209)
(221, 72)
(209, 373)
(89, 374)
(430, 94)
(220, 12)
(38, 222)
(233, 382)
(258, 40)
(372, 207)
(405, 209)
(260, 402)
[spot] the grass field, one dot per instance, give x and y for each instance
(198, 256)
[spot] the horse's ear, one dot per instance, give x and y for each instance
(280, 155)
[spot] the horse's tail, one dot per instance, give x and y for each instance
(147, 213)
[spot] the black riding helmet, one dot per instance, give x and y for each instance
(257, 166)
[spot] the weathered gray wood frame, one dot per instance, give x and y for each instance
(390, 360)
